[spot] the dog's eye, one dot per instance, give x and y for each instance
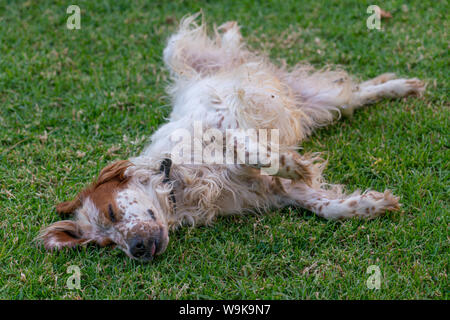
(151, 213)
(112, 217)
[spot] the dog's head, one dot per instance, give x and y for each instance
(118, 208)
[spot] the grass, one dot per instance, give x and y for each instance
(71, 101)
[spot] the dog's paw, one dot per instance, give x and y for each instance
(296, 167)
(415, 86)
(231, 35)
(227, 26)
(407, 87)
(372, 204)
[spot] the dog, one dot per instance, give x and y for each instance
(219, 85)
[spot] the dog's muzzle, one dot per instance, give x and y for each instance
(144, 249)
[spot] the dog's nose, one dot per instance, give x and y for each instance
(137, 248)
(143, 249)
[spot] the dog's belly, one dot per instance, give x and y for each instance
(197, 109)
(244, 98)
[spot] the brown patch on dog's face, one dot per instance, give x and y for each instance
(69, 233)
(104, 199)
(103, 191)
(112, 210)
(110, 180)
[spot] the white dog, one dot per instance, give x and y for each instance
(219, 85)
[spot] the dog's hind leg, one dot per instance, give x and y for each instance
(322, 95)
(191, 52)
(334, 205)
(381, 87)
(372, 91)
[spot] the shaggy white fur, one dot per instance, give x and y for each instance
(219, 83)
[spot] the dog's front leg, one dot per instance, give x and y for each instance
(294, 166)
(257, 153)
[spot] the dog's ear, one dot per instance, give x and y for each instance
(68, 207)
(66, 233)
(113, 171)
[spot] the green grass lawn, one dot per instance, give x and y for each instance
(72, 101)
